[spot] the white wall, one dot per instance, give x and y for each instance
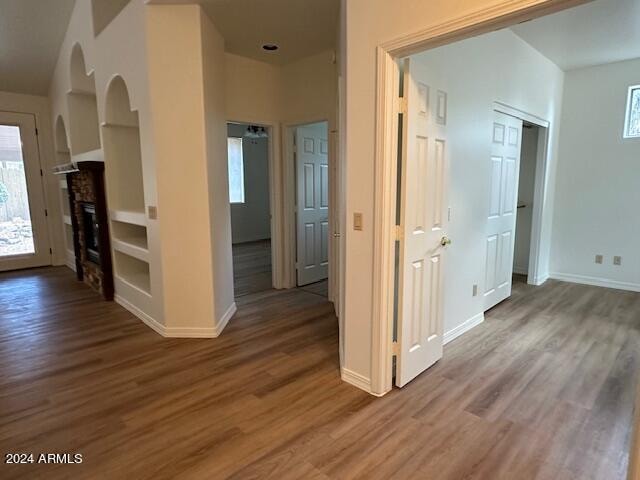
(501, 67)
(526, 184)
(598, 185)
(250, 221)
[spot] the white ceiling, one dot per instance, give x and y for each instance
(598, 32)
(31, 32)
(299, 27)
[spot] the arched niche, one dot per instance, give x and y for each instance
(125, 188)
(83, 107)
(122, 150)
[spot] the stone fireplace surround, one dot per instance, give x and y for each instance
(86, 192)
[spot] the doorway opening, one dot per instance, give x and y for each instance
(526, 198)
(312, 206)
(250, 205)
(24, 240)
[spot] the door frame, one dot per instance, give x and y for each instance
(289, 173)
(43, 236)
(534, 276)
(388, 107)
(275, 199)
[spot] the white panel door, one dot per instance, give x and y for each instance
(423, 225)
(24, 239)
(312, 170)
(503, 199)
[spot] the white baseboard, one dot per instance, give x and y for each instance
(149, 321)
(595, 281)
(71, 265)
(537, 281)
(178, 332)
(463, 327)
(233, 308)
(357, 380)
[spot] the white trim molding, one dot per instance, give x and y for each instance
(463, 327)
(595, 281)
(357, 380)
(537, 281)
(178, 332)
(231, 311)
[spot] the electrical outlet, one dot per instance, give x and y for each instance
(617, 260)
(475, 290)
(599, 259)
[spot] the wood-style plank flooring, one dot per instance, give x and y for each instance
(543, 389)
(252, 267)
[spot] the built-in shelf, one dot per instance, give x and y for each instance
(90, 156)
(121, 139)
(79, 92)
(128, 216)
(130, 239)
(132, 271)
(66, 219)
(130, 249)
(118, 125)
(84, 127)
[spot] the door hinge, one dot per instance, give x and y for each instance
(395, 348)
(401, 105)
(51, 251)
(41, 174)
(398, 233)
(46, 212)
(36, 131)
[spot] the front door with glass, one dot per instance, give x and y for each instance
(24, 241)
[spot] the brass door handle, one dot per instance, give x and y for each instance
(444, 241)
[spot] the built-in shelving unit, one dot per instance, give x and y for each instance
(125, 191)
(83, 106)
(63, 157)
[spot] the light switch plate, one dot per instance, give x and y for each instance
(357, 221)
(617, 260)
(152, 212)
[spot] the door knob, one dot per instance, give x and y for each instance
(444, 241)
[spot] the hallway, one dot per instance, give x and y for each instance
(544, 388)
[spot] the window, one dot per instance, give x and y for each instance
(236, 170)
(632, 118)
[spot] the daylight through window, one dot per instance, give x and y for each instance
(632, 119)
(236, 170)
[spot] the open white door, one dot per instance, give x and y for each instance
(423, 224)
(312, 171)
(501, 221)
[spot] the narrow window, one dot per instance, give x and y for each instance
(632, 117)
(236, 170)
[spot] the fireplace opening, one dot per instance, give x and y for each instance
(90, 228)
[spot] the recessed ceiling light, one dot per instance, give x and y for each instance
(270, 47)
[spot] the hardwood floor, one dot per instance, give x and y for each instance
(543, 389)
(251, 267)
